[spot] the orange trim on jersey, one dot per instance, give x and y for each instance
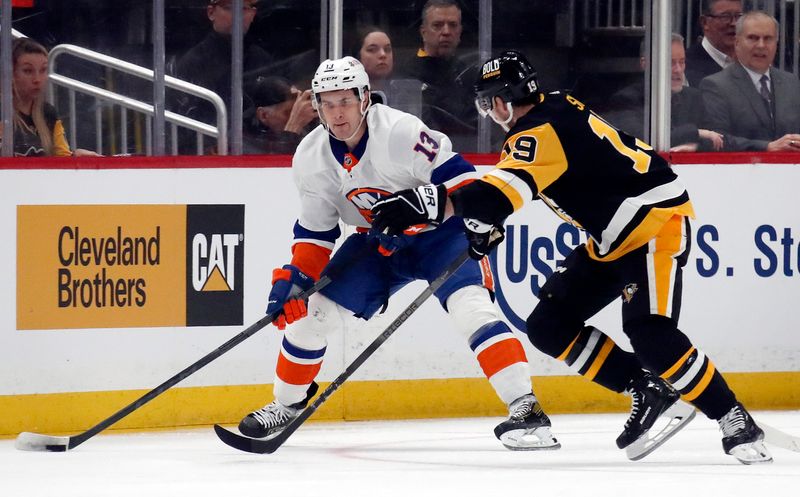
(296, 374)
(501, 355)
(564, 354)
(460, 184)
(675, 367)
(600, 359)
(310, 259)
(488, 276)
(701, 386)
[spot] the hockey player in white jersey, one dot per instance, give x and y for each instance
(360, 153)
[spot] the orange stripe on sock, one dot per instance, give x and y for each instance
(701, 386)
(296, 374)
(675, 367)
(600, 359)
(500, 356)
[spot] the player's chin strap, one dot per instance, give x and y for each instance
(504, 124)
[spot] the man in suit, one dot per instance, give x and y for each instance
(754, 105)
(687, 108)
(715, 51)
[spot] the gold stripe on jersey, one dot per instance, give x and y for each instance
(536, 151)
(643, 232)
(668, 244)
(507, 183)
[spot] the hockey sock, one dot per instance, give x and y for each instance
(699, 382)
(296, 369)
(666, 351)
(502, 359)
(596, 356)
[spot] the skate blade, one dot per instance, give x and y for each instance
(752, 453)
(677, 416)
(537, 439)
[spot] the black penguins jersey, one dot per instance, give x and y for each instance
(612, 185)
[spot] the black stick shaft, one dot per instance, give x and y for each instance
(271, 445)
(251, 330)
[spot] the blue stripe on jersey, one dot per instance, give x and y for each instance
(329, 236)
(452, 167)
(486, 332)
(302, 353)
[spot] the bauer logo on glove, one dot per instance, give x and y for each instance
(409, 208)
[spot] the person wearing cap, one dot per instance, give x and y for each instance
(279, 117)
(208, 64)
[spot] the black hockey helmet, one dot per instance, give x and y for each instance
(509, 76)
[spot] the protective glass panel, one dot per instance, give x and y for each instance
(106, 109)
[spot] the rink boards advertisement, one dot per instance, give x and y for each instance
(117, 266)
(114, 279)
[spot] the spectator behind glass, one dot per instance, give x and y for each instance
(374, 50)
(716, 50)
(208, 64)
(38, 131)
(756, 106)
(687, 110)
(447, 98)
(279, 118)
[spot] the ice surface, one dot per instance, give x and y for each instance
(442, 457)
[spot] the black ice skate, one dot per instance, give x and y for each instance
(742, 438)
(273, 418)
(652, 398)
(527, 427)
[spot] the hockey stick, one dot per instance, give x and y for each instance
(270, 445)
(778, 438)
(39, 442)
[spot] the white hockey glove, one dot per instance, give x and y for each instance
(482, 237)
(416, 206)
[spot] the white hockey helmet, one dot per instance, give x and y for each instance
(340, 74)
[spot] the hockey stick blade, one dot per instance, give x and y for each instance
(270, 445)
(49, 443)
(41, 443)
(778, 438)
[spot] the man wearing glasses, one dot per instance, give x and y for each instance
(715, 51)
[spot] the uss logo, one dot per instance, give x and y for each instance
(524, 261)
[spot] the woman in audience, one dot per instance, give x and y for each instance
(38, 131)
(374, 50)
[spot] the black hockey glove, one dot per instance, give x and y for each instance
(482, 237)
(416, 206)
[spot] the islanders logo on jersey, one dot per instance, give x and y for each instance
(364, 198)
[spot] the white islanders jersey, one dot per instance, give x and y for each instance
(401, 152)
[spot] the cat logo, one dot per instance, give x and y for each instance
(628, 291)
(214, 262)
(214, 265)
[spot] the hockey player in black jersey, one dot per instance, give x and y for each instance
(636, 212)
